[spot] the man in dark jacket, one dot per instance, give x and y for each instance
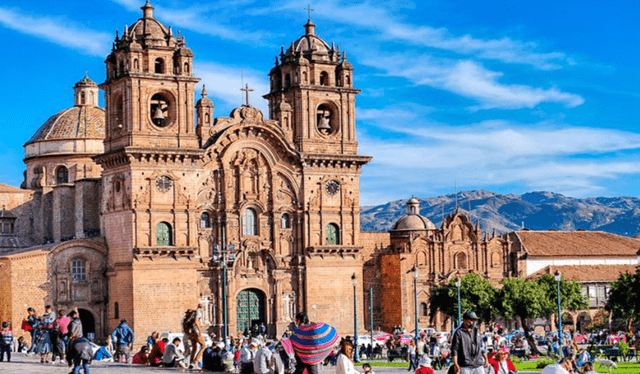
(466, 347)
(123, 336)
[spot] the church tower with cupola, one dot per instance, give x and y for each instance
(151, 156)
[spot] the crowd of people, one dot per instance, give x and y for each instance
(58, 337)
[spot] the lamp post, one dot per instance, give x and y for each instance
(415, 302)
(558, 279)
(220, 256)
(458, 284)
(354, 282)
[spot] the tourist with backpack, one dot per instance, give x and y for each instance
(192, 328)
(124, 337)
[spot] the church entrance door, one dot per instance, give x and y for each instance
(88, 322)
(250, 308)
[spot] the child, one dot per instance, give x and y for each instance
(367, 369)
(424, 366)
(6, 337)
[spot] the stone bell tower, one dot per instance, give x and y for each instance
(312, 95)
(313, 98)
(151, 153)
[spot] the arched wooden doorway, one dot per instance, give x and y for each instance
(250, 308)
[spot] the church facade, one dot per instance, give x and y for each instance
(152, 206)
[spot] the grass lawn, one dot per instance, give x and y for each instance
(386, 363)
(623, 367)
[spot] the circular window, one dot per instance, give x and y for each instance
(164, 183)
(161, 109)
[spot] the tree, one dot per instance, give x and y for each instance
(476, 293)
(624, 294)
(523, 299)
(528, 299)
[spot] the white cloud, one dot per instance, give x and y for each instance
(490, 154)
(224, 84)
(382, 19)
(468, 79)
(57, 30)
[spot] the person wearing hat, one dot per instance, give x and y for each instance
(424, 365)
(501, 362)
(466, 347)
(344, 365)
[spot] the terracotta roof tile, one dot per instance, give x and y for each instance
(577, 244)
(587, 273)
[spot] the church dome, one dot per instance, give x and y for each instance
(148, 31)
(413, 220)
(76, 129)
(310, 47)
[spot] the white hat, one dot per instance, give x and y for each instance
(554, 369)
(424, 361)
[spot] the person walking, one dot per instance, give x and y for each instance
(466, 347)
(192, 328)
(6, 338)
(124, 337)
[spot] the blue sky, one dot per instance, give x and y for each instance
(493, 95)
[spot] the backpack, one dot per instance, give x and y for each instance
(189, 321)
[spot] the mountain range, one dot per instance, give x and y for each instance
(538, 210)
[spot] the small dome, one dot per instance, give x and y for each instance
(413, 220)
(78, 122)
(311, 47)
(86, 82)
(204, 100)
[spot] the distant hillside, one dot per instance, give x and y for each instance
(536, 210)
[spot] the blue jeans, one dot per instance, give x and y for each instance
(77, 362)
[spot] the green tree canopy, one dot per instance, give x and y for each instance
(624, 296)
(476, 293)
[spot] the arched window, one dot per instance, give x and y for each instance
(78, 269)
(163, 234)
(121, 70)
(424, 312)
(347, 80)
(136, 65)
(249, 226)
(205, 220)
(461, 261)
(287, 81)
(207, 118)
(324, 78)
(333, 234)
(62, 175)
(116, 310)
(304, 77)
(286, 222)
(159, 66)
(83, 98)
(186, 68)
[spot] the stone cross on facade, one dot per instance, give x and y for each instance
(309, 10)
(246, 90)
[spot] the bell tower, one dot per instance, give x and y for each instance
(151, 157)
(149, 78)
(316, 81)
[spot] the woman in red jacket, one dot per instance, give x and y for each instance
(501, 363)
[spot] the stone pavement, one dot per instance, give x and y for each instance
(23, 364)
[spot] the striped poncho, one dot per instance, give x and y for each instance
(313, 342)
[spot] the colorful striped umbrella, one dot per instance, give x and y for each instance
(313, 342)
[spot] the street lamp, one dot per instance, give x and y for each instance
(354, 282)
(558, 279)
(415, 301)
(458, 284)
(220, 256)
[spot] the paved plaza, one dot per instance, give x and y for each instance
(21, 363)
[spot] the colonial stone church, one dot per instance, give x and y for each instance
(151, 205)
